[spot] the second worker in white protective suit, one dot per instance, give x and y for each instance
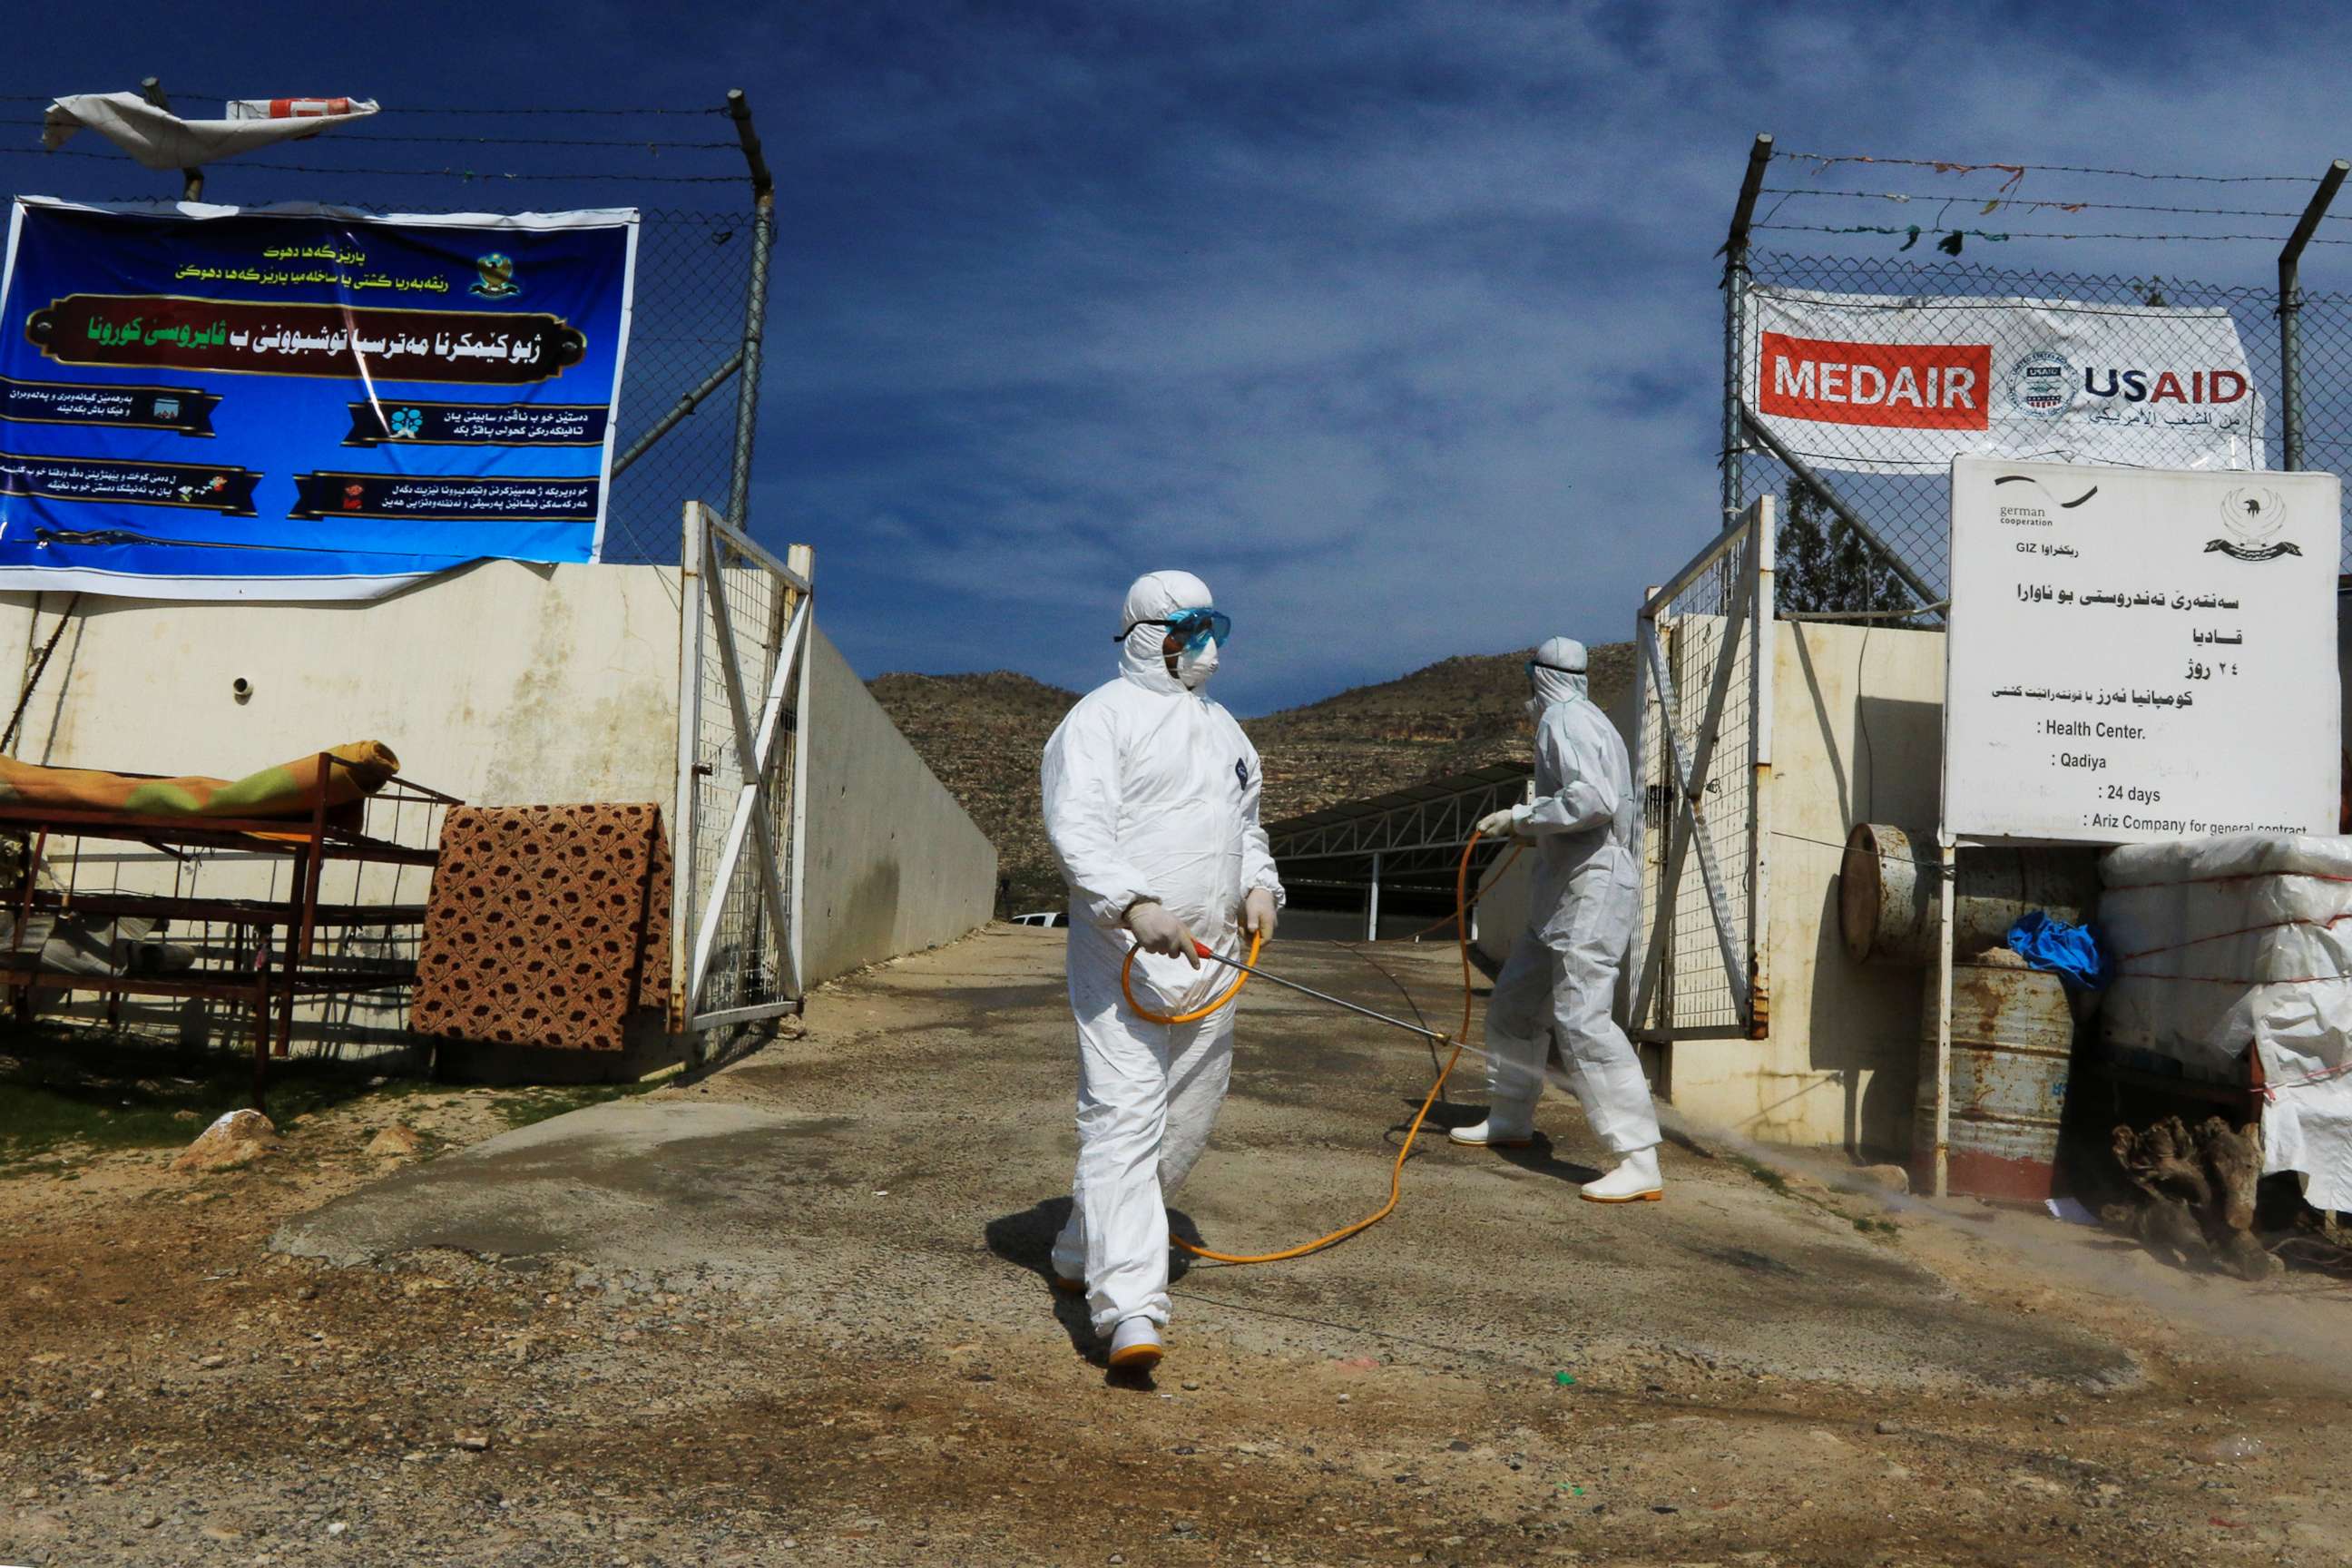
(1560, 980)
(1151, 801)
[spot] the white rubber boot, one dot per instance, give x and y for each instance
(1634, 1181)
(1135, 1345)
(1495, 1132)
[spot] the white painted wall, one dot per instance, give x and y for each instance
(503, 684)
(894, 864)
(1857, 737)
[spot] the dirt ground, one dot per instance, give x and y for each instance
(795, 1312)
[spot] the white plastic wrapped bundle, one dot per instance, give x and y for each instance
(2221, 944)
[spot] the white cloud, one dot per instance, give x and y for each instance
(1402, 330)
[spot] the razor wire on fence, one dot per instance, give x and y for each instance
(1828, 563)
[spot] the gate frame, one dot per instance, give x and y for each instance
(694, 911)
(1746, 550)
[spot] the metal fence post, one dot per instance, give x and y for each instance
(1735, 303)
(755, 310)
(1764, 648)
(2289, 310)
(686, 868)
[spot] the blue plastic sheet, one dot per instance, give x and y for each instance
(2070, 952)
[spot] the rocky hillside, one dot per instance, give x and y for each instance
(982, 734)
(1453, 716)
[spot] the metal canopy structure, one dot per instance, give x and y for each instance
(1411, 838)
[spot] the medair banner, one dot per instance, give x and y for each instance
(1889, 384)
(303, 402)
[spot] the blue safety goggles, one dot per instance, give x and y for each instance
(1190, 629)
(1536, 664)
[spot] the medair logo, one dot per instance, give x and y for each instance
(1919, 386)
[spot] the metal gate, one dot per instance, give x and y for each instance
(742, 766)
(1703, 754)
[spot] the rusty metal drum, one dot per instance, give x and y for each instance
(2013, 1051)
(1887, 894)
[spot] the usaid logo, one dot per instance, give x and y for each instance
(2196, 386)
(2042, 385)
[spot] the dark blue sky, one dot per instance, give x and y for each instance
(1396, 322)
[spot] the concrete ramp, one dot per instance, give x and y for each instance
(645, 1184)
(908, 1164)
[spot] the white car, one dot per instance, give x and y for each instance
(1042, 918)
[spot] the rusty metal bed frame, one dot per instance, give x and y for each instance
(270, 989)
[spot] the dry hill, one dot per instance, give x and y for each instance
(982, 734)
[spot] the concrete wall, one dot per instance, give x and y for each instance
(504, 684)
(893, 863)
(1857, 737)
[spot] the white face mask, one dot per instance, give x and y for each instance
(1193, 668)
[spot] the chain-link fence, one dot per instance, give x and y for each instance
(692, 271)
(1909, 512)
(1703, 706)
(747, 655)
(686, 336)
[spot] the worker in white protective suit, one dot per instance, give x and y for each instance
(1558, 987)
(1151, 801)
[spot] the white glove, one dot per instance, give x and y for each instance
(1498, 824)
(1157, 930)
(1258, 913)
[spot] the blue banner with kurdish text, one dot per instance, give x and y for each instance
(301, 403)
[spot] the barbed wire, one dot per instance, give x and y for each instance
(1920, 230)
(444, 173)
(361, 134)
(2032, 203)
(1955, 166)
(225, 97)
(350, 133)
(589, 112)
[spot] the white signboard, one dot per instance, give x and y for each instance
(2136, 655)
(1896, 384)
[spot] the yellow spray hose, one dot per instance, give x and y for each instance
(1461, 902)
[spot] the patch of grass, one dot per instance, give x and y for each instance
(1763, 1173)
(520, 1108)
(84, 1090)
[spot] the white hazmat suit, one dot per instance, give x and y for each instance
(1150, 794)
(1560, 980)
